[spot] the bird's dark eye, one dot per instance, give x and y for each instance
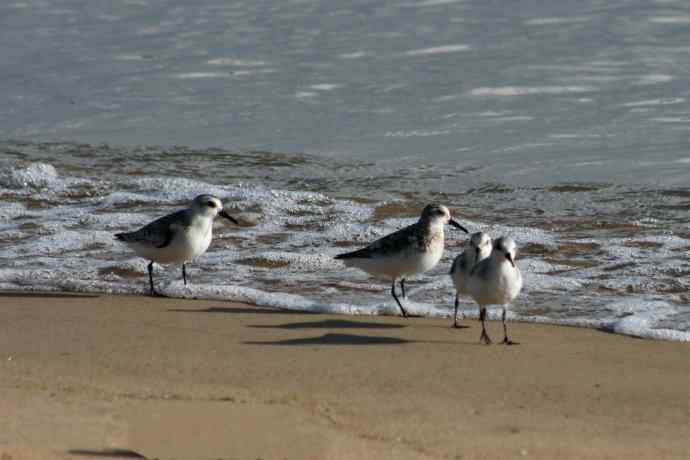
(439, 212)
(211, 204)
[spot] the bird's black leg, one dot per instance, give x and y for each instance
(455, 316)
(402, 310)
(184, 274)
(150, 267)
(402, 286)
(482, 316)
(154, 293)
(506, 340)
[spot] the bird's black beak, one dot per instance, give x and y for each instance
(228, 216)
(455, 224)
(510, 259)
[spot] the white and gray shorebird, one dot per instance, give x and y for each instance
(178, 237)
(414, 249)
(496, 280)
(477, 248)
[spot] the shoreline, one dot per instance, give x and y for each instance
(95, 375)
(618, 327)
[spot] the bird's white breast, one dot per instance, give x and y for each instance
(187, 243)
(501, 287)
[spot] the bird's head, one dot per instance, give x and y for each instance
(505, 248)
(437, 214)
(480, 243)
(211, 206)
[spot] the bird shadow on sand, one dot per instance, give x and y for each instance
(353, 339)
(241, 310)
(329, 324)
(335, 339)
(105, 453)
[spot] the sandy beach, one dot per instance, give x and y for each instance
(132, 377)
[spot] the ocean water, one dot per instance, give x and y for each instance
(607, 256)
(322, 127)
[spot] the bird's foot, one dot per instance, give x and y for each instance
(411, 315)
(507, 341)
(485, 339)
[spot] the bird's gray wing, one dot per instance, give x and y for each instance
(482, 269)
(389, 244)
(459, 264)
(158, 233)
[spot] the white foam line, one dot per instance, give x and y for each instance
(354, 55)
(438, 50)
(197, 75)
(555, 21)
(655, 102)
(235, 62)
(627, 326)
(670, 20)
(325, 86)
(655, 78)
(526, 90)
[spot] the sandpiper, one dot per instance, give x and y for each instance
(177, 237)
(477, 248)
(496, 280)
(409, 251)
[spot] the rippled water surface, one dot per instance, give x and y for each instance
(587, 90)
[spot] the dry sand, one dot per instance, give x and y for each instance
(122, 377)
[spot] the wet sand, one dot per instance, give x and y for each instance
(129, 377)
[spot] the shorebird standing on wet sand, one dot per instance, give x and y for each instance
(177, 237)
(477, 248)
(496, 280)
(414, 249)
